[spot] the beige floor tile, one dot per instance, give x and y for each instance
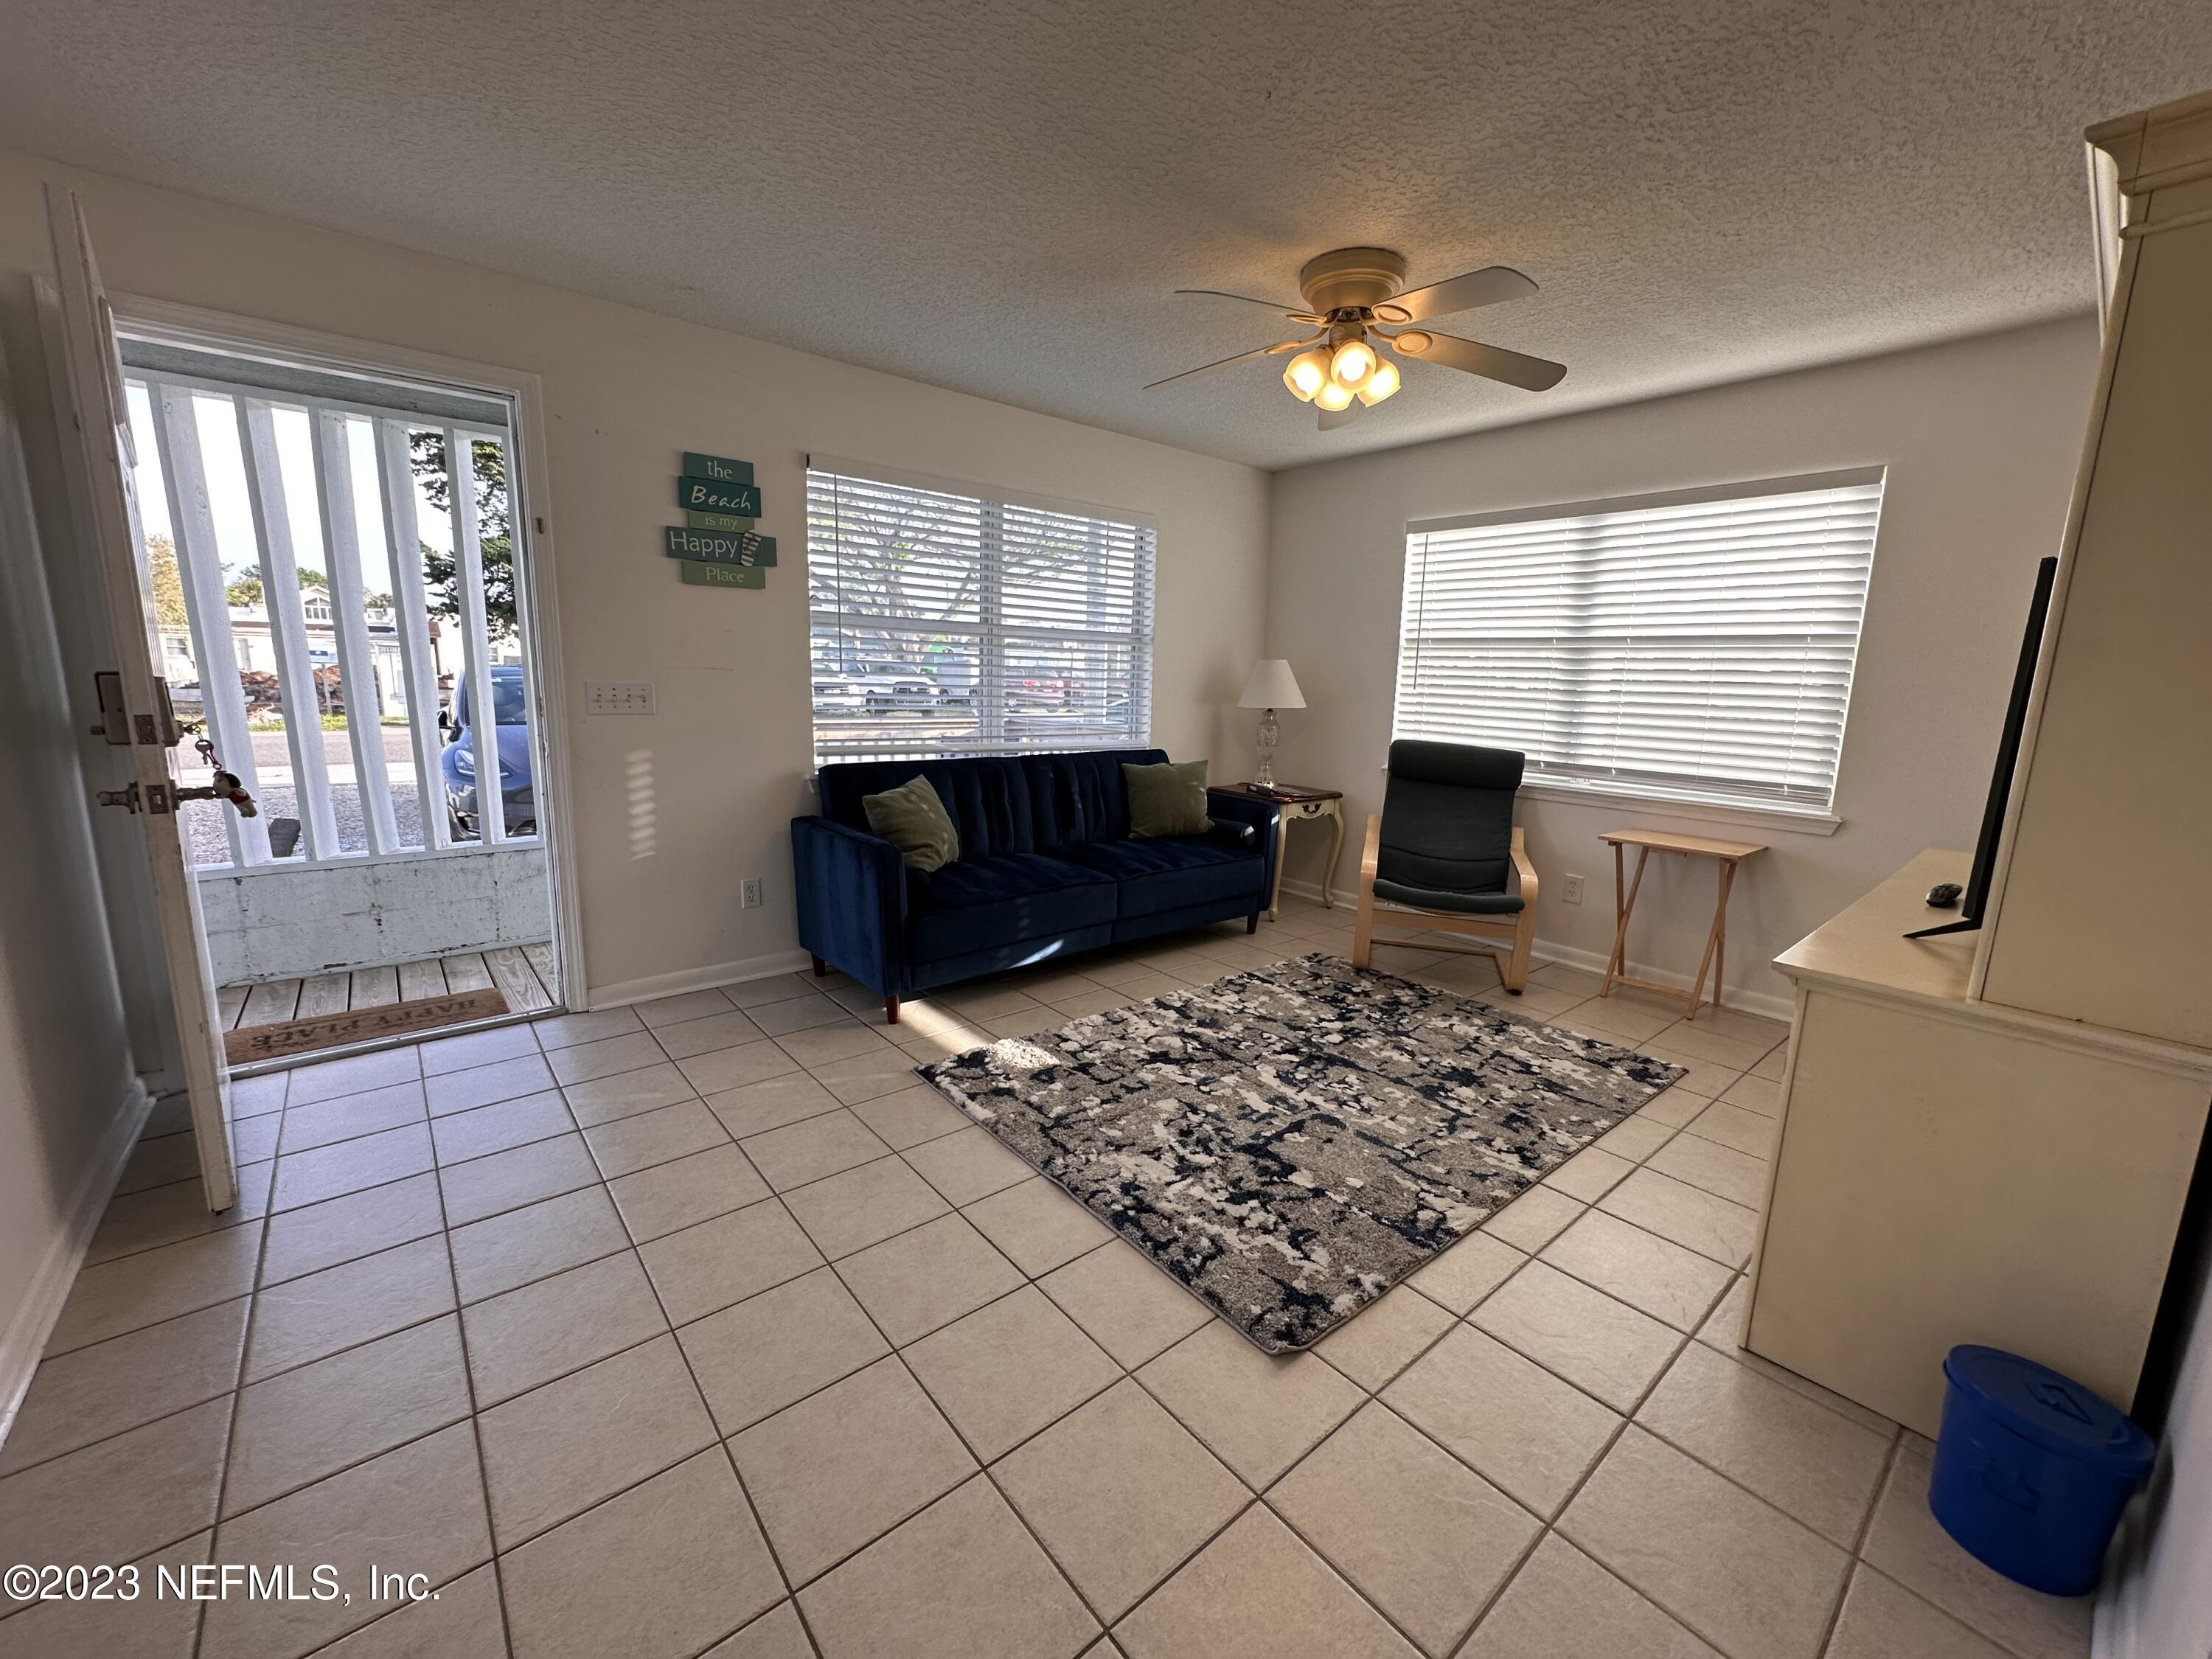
(1699, 1038)
(324, 1172)
(962, 1580)
(115, 1499)
(354, 1074)
(1005, 1371)
(1883, 1620)
(545, 1330)
(1669, 1109)
(474, 1049)
(1708, 1078)
(1422, 1536)
(658, 1572)
(858, 1207)
(1121, 1493)
(921, 1280)
(506, 1180)
(1637, 1136)
(1257, 1593)
(484, 1130)
(1534, 1219)
(346, 1117)
(1384, 1337)
(1689, 1215)
(660, 1136)
(1590, 1174)
(703, 1037)
(684, 1006)
(752, 993)
(297, 1427)
(1906, 1542)
(909, 1117)
(723, 1261)
(463, 1622)
(1602, 1347)
(868, 1076)
(771, 1104)
(967, 1166)
(119, 1297)
(1802, 1457)
(1467, 1271)
(1038, 1226)
(1098, 999)
(1736, 1571)
(1720, 1332)
(536, 1241)
(140, 1221)
(669, 1196)
(1535, 1002)
(1562, 1605)
(429, 1493)
(1256, 1412)
(776, 1634)
(306, 1318)
(1718, 1170)
(724, 1069)
(568, 1030)
(626, 1094)
(319, 1235)
(753, 1359)
(1754, 1093)
(1773, 1067)
(801, 1153)
(1617, 1020)
(1557, 976)
(1652, 1274)
(1124, 1303)
(485, 1086)
(607, 1057)
(820, 1045)
(798, 1013)
(1745, 1131)
(1508, 1417)
(553, 1452)
(1143, 987)
(940, 1042)
(992, 1002)
(845, 1466)
(144, 1628)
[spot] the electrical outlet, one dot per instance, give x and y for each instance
(619, 696)
(1570, 890)
(752, 893)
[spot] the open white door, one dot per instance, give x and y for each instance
(135, 704)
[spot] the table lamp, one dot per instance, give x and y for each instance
(1272, 686)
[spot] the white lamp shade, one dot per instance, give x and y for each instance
(1272, 686)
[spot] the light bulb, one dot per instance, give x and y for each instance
(1354, 362)
(1332, 397)
(1380, 384)
(1307, 373)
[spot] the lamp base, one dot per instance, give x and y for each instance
(1270, 733)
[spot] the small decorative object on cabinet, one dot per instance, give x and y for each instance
(1272, 686)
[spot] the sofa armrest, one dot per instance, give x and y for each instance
(851, 888)
(1259, 816)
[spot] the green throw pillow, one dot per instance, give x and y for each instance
(1167, 800)
(913, 819)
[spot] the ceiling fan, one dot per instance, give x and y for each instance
(1354, 305)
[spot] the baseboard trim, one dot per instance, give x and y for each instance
(1769, 1004)
(33, 1321)
(696, 979)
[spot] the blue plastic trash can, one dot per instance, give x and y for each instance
(2033, 1469)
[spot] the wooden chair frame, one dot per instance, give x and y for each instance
(1519, 931)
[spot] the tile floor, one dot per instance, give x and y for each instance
(704, 1327)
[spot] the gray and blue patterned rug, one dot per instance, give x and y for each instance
(1289, 1142)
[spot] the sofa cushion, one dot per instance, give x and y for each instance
(1172, 873)
(988, 798)
(913, 820)
(1438, 899)
(1166, 800)
(978, 904)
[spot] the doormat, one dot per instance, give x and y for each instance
(300, 1037)
(1290, 1143)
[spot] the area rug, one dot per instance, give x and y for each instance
(1289, 1142)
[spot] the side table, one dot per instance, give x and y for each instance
(1726, 855)
(1299, 806)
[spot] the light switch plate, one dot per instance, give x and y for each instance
(619, 696)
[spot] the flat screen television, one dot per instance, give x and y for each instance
(1976, 896)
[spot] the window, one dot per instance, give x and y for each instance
(1694, 646)
(952, 624)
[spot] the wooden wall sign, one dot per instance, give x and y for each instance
(713, 545)
(698, 574)
(735, 525)
(717, 543)
(711, 496)
(717, 469)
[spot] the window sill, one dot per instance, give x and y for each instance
(1691, 811)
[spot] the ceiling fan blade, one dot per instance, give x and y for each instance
(1485, 286)
(1491, 362)
(1332, 418)
(1240, 357)
(1277, 306)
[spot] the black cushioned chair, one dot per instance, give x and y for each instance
(1444, 855)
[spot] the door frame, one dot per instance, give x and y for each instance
(531, 526)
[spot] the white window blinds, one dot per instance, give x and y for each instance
(1696, 645)
(953, 624)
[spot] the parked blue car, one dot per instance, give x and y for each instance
(511, 724)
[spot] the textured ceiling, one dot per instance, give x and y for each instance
(999, 195)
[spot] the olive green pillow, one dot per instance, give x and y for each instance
(1168, 799)
(913, 819)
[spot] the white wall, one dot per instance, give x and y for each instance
(670, 811)
(1981, 438)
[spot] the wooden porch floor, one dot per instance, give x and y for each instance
(525, 974)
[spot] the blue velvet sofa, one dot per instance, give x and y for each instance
(1047, 869)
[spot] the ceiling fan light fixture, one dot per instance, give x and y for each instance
(1306, 375)
(1333, 397)
(1413, 342)
(1380, 384)
(1354, 362)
